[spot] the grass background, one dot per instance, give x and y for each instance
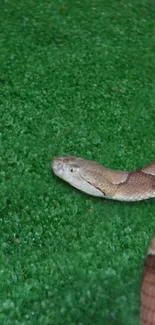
(76, 77)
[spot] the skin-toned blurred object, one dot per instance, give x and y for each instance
(147, 316)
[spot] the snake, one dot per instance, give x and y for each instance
(97, 180)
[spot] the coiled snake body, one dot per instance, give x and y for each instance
(97, 180)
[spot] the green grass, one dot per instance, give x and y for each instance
(76, 77)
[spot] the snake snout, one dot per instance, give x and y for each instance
(54, 164)
(57, 166)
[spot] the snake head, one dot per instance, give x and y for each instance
(74, 171)
(65, 167)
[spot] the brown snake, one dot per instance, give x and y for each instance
(97, 180)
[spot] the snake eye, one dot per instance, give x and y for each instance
(73, 168)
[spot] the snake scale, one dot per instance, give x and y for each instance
(97, 180)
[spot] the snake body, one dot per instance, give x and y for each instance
(95, 179)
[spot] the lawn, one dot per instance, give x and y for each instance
(76, 78)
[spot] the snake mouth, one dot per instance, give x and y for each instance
(97, 188)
